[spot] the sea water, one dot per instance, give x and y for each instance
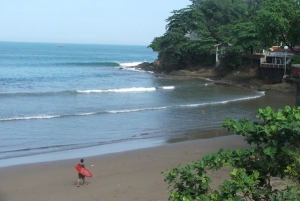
(78, 100)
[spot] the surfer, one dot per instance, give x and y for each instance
(81, 176)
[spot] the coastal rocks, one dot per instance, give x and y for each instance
(185, 73)
(158, 67)
(246, 78)
(246, 81)
(143, 65)
(180, 73)
(153, 67)
(280, 87)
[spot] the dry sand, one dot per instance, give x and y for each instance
(127, 176)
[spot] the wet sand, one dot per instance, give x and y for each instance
(131, 175)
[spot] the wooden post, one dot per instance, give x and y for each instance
(217, 55)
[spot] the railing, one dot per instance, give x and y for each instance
(270, 65)
(279, 54)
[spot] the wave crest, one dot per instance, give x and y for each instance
(68, 92)
(135, 110)
(31, 117)
(223, 102)
(130, 64)
(40, 117)
(123, 90)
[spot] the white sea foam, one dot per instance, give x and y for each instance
(247, 98)
(222, 102)
(133, 69)
(124, 111)
(167, 87)
(195, 105)
(31, 117)
(207, 79)
(79, 114)
(135, 110)
(130, 64)
(123, 90)
(90, 91)
(136, 89)
(262, 92)
(208, 84)
(86, 114)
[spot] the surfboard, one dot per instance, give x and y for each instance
(83, 171)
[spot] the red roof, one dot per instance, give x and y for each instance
(280, 49)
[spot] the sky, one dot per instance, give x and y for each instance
(128, 22)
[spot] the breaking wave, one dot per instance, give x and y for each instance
(223, 102)
(45, 116)
(68, 92)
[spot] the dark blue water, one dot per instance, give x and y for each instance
(76, 97)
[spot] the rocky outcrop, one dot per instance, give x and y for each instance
(246, 78)
(153, 67)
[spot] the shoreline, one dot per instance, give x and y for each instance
(117, 176)
(245, 78)
(138, 143)
(238, 80)
(111, 148)
(130, 175)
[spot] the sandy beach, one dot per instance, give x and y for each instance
(131, 175)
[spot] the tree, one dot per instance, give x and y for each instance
(252, 7)
(172, 47)
(243, 36)
(186, 36)
(278, 21)
(243, 41)
(273, 152)
(220, 13)
(247, 25)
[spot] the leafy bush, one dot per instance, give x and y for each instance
(273, 152)
(232, 59)
(295, 59)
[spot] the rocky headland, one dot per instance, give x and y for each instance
(246, 77)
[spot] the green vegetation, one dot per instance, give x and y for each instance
(295, 59)
(241, 26)
(273, 152)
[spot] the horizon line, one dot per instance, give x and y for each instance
(74, 43)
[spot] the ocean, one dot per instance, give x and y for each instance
(77, 100)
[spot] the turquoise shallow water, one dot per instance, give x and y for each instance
(56, 100)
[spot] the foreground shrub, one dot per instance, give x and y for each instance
(273, 152)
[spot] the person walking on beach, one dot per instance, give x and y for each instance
(81, 176)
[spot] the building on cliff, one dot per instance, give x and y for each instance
(276, 60)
